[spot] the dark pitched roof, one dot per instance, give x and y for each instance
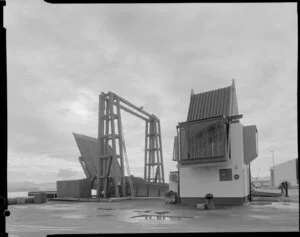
(213, 104)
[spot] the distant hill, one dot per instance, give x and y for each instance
(30, 186)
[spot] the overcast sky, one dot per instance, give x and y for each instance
(60, 57)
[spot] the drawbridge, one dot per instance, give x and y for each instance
(106, 157)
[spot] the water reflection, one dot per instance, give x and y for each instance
(79, 216)
(159, 217)
(162, 212)
(146, 211)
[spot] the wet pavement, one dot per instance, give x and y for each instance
(148, 216)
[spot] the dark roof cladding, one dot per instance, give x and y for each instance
(213, 104)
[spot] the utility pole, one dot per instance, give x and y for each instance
(273, 178)
(3, 191)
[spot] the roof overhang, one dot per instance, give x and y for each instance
(231, 119)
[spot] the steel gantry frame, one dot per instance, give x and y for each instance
(110, 134)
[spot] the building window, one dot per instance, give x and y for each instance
(202, 140)
(225, 174)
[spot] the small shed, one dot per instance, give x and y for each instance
(74, 188)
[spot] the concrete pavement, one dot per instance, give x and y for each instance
(147, 216)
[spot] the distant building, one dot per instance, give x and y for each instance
(262, 183)
(286, 171)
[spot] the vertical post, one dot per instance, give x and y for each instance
(150, 151)
(178, 130)
(100, 140)
(158, 163)
(106, 173)
(146, 147)
(273, 178)
(161, 153)
(113, 134)
(3, 190)
(120, 129)
(107, 150)
(286, 188)
(273, 168)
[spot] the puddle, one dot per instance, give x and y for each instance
(235, 212)
(285, 205)
(158, 217)
(19, 206)
(105, 215)
(56, 207)
(260, 203)
(106, 209)
(263, 217)
(162, 212)
(144, 211)
(73, 216)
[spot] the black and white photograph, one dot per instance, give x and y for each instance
(150, 118)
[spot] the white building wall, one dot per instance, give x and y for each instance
(198, 181)
(246, 179)
(286, 172)
(173, 186)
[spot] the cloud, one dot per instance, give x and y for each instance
(66, 173)
(35, 167)
(151, 55)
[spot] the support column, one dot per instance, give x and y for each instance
(161, 154)
(151, 152)
(100, 140)
(121, 142)
(146, 147)
(157, 162)
(113, 135)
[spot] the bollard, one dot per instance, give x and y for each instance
(209, 201)
(286, 188)
(171, 197)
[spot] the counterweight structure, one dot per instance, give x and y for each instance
(110, 134)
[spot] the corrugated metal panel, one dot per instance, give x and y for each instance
(205, 104)
(74, 188)
(227, 99)
(217, 107)
(210, 104)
